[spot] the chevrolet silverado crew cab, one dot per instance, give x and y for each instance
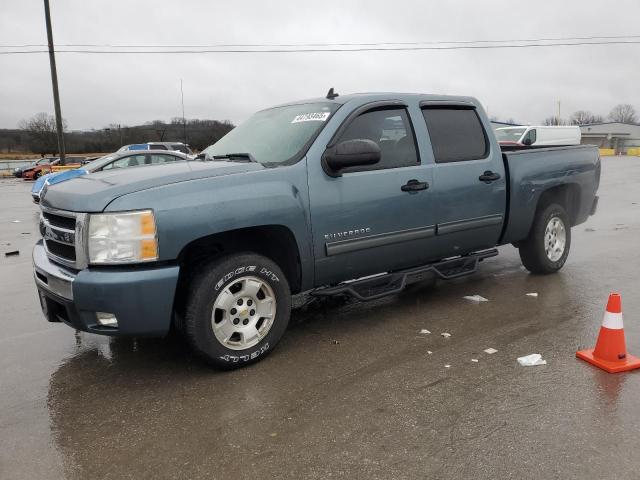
(357, 194)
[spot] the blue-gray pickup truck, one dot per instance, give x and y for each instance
(355, 195)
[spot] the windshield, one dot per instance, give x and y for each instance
(509, 134)
(276, 135)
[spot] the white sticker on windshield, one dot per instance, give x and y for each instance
(311, 117)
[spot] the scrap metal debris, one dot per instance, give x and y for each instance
(12, 253)
(16, 221)
(490, 351)
(475, 298)
(531, 360)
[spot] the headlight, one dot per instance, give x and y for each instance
(122, 237)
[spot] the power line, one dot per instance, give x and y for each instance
(346, 44)
(334, 50)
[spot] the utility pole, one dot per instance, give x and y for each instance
(559, 116)
(184, 122)
(54, 83)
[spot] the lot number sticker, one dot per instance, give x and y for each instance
(311, 117)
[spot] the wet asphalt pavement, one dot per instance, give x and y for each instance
(351, 391)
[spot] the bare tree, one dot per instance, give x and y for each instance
(41, 132)
(623, 113)
(160, 128)
(584, 117)
(555, 120)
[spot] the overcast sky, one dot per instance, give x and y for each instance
(525, 84)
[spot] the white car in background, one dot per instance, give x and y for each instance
(539, 136)
(172, 146)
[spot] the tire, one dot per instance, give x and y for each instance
(551, 228)
(37, 175)
(219, 305)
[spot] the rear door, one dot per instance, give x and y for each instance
(469, 178)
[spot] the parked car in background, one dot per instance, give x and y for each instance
(19, 171)
(171, 146)
(38, 171)
(108, 162)
(539, 136)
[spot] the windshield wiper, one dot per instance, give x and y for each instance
(242, 156)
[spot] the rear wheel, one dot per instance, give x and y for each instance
(237, 310)
(547, 247)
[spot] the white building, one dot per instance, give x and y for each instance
(618, 136)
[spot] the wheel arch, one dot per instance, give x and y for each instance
(276, 242)
(566, 195)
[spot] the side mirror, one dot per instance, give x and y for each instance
(350, 153)
(527, 141)
(201, 156)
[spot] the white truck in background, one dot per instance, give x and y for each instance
(539, 135)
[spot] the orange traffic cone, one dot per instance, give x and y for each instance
(610, 352)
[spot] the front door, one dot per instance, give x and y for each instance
(364, 222)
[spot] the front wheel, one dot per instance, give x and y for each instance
(237, 310)
(547, 247)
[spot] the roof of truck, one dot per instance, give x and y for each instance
(375, 96)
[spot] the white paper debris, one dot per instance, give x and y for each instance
(445, 334)
(429, 352)
(424, 331)
(490, 351)
(475, 298)
(531, 360)
(532, 294)
(447, 366)
(475, 360)
(16, 221)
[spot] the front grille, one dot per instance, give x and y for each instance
(63, 236)
(68, 223)
(66, 252)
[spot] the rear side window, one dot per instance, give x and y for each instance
(180, 148)
(155, 159)
(393, 133)
(456, 134)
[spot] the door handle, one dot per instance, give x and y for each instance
(488, 176)
(414, 185)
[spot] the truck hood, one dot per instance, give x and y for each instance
(92, 193)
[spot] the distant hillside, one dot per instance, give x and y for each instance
(199, 134)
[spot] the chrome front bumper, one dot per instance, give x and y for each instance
(50, 276)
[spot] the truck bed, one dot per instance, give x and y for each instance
(532, 171)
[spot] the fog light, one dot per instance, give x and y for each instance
(107, 319)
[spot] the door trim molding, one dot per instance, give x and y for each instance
(468, 224)
(378, 240)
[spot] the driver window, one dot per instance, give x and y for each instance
(532, 135)
(391, 130)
